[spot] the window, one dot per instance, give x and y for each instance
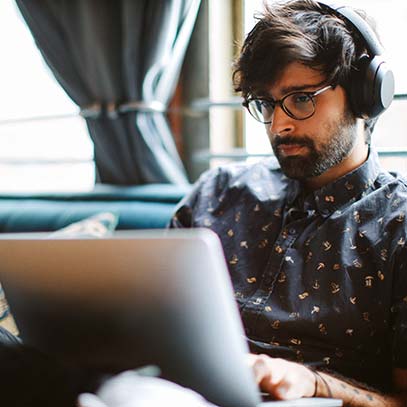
(389, 135)
(44, 144)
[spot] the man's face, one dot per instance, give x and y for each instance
(308, 148)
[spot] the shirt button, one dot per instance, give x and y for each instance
(292, 231)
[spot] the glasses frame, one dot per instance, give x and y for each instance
(280, 103)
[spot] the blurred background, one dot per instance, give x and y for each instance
(44, 141)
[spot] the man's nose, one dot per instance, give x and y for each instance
(281, 122)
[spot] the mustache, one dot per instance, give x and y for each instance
(293, 140)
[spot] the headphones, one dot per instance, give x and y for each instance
(371, 89)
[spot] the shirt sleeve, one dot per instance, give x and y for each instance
(207, 192)
(183, 216)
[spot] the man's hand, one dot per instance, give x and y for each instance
(289, 380)
(282, 379)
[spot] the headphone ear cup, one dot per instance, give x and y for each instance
(372, 87)
(382, 79)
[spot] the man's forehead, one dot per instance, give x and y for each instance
(294, 77)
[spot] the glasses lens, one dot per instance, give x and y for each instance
(299, 105)
(261, 110)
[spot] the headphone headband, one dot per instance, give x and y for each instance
(372, 43)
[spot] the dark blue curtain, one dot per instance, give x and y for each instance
(119, 60)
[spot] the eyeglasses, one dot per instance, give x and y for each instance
(298, 105)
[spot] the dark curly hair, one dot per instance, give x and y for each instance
(299, 31)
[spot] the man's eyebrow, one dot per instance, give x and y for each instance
(298, 88)
(290, 89)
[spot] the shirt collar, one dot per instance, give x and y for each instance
(348, 188)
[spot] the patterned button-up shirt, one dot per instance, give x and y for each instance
(319, 278)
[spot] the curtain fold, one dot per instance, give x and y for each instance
(119, 61)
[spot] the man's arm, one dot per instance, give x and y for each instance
(289, 380)
(355, 396)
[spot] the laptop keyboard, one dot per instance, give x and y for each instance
(315, 402)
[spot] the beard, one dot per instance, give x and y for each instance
(339, 142)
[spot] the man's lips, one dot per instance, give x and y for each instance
(291, 149)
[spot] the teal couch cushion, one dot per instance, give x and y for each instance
(138, 207)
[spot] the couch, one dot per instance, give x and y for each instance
(138, 207)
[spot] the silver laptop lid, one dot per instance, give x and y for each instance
(147, 297)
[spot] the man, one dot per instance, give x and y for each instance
(315, 245)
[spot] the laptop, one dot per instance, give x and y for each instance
(138, 298)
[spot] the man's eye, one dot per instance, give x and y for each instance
(300, 98)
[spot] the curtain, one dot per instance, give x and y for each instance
(119, 61)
